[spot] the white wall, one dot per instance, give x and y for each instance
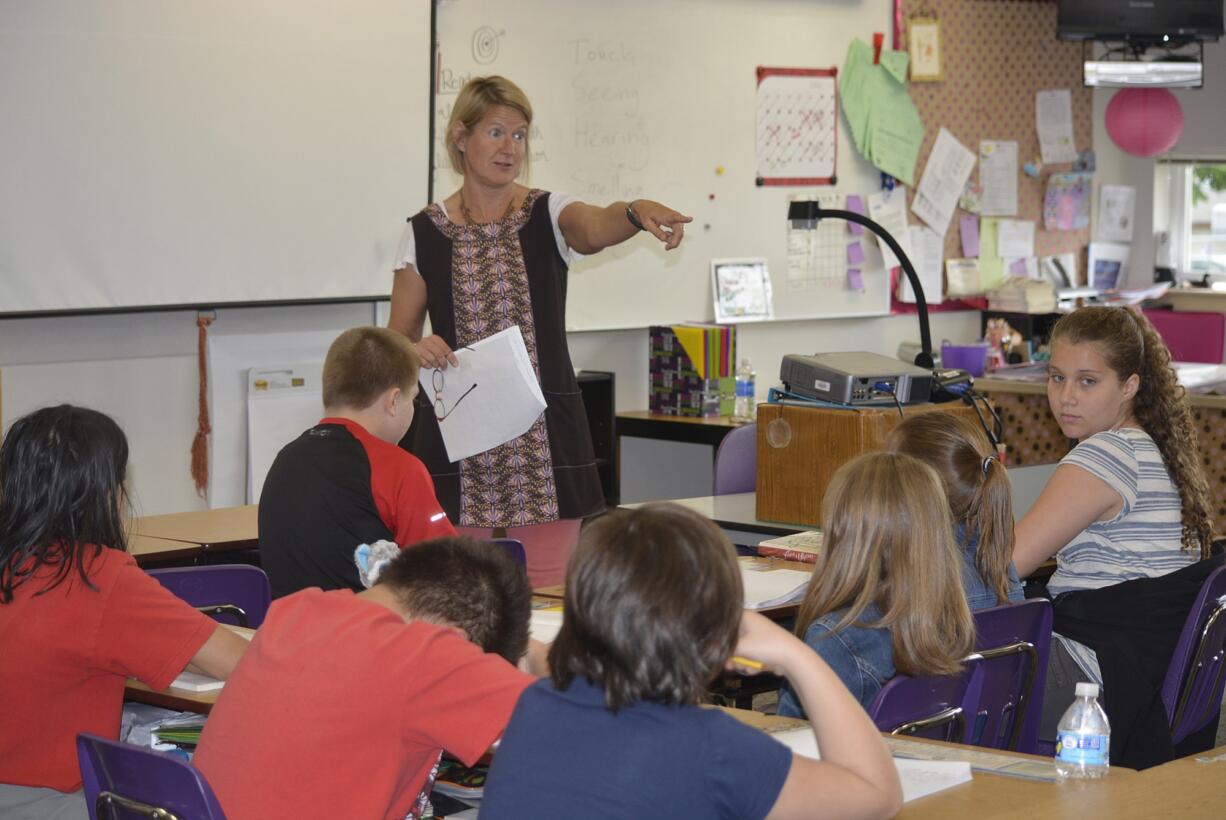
(141, 369)
(1203, 137)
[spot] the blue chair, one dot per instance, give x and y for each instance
(514, 548)
(123, 781)
(736, 462)
(1015, 643)
(931, 706)
(230, 593)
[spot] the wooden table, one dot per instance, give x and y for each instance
(154, 537)
(990, 796)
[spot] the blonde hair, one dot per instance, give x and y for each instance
(888, 542)
(1129, 343)
(364, 362)
(976, 485)
(474, 101)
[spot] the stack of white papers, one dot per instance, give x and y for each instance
(544, 624)
(919, 777)
(1020, 294)
(765, 588)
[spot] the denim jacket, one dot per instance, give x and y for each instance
(862, 657)
(978, 594)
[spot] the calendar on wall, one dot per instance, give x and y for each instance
(797, 126)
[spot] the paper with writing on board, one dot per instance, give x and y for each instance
(1015, 238)
(797, 126)
(942, 182)
(492, 396)
(1053, 115)
(1115, 208)
(998, 176)
(928, 257)
(889, 210)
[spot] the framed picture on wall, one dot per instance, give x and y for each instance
(742, 289)
(1107, 265)
(924, 45)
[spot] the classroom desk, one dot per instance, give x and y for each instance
(645, 424)
(991, 796)
(736, 515)
(183, 700)
(147, 549)
(204, 531)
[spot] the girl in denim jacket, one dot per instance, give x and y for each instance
(886, 595)
(980, 500)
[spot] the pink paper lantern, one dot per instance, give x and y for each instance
(1144, 122)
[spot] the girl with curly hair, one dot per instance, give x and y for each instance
(1130, 500)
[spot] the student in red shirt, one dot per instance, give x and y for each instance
(345, 481)
(344, 701)
(77, 615)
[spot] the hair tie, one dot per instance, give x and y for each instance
(987, 462)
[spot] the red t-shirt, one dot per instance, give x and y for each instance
(340, 709)
(65, 654)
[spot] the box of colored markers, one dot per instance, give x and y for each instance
(692, 370)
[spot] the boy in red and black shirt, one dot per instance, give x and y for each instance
(345, 481)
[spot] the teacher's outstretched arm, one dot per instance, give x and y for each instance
(589, 229)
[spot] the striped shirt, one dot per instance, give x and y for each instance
(1142, 541)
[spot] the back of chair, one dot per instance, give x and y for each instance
(1196, 676)
(231, 593)
(514, 548)
(124, 781)
(1015, 642)
(736, 462)
(1191, 336)
(932, 706)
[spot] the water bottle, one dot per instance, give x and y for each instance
(743, 408)
(1083, 739)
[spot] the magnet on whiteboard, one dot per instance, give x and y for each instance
(719, 170)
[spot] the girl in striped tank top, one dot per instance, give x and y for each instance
(1130, 500)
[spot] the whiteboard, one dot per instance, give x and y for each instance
(192, 152)
(647, 99)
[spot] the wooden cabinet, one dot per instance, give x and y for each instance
(801, 447)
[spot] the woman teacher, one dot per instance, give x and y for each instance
(494, 254)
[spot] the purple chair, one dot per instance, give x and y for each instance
(230, 593)
(736, 462)
(1192, 689)
(123, 781)
(931, 706)
(514, 548)
(1015, 643)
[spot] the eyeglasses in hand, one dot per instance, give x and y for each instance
(437, 380)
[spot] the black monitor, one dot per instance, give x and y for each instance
(1145, 20)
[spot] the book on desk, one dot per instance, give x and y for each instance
(799, 546)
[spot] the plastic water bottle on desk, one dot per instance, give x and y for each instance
(743, 409)
(1083, 739)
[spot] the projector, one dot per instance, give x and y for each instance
(855, 378)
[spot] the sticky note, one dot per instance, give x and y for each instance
(855, 204)
(969, 228)
(855, 253)
(854, 279)
(1018, 268)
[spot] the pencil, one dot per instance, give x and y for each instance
(747, 663)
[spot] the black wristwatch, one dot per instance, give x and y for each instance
(633, 217)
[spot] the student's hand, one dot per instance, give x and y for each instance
(762, 640)
(662, 222)
(435, 352)
(536, 660)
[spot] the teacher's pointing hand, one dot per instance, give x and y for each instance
(661, 221)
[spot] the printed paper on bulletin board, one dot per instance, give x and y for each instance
(797, 126)
(996, 57)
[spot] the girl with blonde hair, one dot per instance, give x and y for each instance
(886, 595)
(980, 500)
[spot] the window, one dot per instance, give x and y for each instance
(1195, 200)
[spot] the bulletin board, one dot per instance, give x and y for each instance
(997, 55)
(641, 99)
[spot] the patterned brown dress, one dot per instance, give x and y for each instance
(481, 279)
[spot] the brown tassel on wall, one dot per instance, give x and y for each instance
(200, 443)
